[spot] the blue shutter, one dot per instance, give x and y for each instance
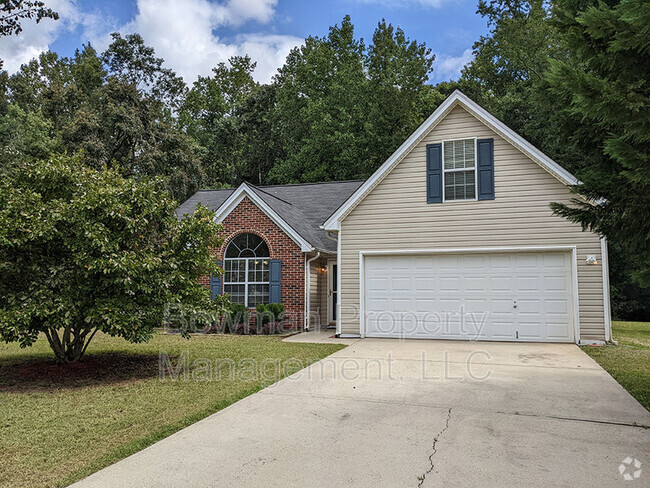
(485, 169)
(215, 283)
(434, 173)
(275, 281)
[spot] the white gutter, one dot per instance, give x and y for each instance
(604, 251)
(307, 290)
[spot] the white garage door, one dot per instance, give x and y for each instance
(523, 296)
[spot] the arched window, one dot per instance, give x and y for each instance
(246, 270)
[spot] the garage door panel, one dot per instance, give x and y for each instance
(425, 305)
(557, 331)
(530, 331)
(530, 307)
(449, 262)
(556, 260)
(424, 283)
(494, 296)
(477, 305)
(501, 306)
(376, 283)
(527, 261)
(401, 284)
(475, 261)
(501, 284)
(500, 330)
(556, 283)
(401, 305)
(449, 284)
(528, 283)
(476, 284)
(378, 304)
(556, 307)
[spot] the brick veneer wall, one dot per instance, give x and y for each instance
(247, 217)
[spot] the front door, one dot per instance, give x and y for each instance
(332, 291)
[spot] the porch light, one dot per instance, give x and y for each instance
(591, 260)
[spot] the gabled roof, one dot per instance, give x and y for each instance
(455, 99)
(299, 210)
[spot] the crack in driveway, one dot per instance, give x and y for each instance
(434, 449)
(576, 419)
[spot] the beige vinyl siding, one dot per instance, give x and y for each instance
(394, 215)
(317, 292)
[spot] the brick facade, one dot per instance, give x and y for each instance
(247, 217)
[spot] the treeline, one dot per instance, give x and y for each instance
(335, 110)
(570, 75)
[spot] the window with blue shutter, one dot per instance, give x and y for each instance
(246, 270)
(275, 281)
(485, 168)
(215, 284)
(434, 173)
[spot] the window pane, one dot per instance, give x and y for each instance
(247, 246)
(236, 292)
(258, 270)
(234, 271)
(460, 185)
(459, 154)
(258, 294)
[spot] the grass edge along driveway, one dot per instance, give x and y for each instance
(59, 424)
(629, 361)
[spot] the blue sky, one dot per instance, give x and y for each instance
(194, 35)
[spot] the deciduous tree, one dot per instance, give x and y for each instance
(85, 250)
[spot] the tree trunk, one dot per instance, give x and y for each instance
(72, 346)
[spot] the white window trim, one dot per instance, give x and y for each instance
(458, 170)
(246, 282)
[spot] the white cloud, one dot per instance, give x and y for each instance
(239, 11)
(184, 34)
(449, 67)
(410, 3)
(269, 51)
(36, 38)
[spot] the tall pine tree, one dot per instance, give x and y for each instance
(604, 91)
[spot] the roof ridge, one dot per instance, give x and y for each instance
(269, 194)
(215, 189)
(315, 183)
(261, 188)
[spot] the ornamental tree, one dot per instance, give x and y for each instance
(83, 250)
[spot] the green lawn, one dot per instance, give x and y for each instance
(629, 362)
(61, 423)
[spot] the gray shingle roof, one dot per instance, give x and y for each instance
(304, 206)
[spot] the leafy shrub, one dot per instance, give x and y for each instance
(268, 317)
(237, 317)
(277, 309)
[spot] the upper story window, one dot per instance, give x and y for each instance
(246, 270)
(459, 168)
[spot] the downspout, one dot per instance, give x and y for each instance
(308, 288)
(335, 237)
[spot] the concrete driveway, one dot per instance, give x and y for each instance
(388, 413)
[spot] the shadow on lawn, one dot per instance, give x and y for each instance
(102, 369)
